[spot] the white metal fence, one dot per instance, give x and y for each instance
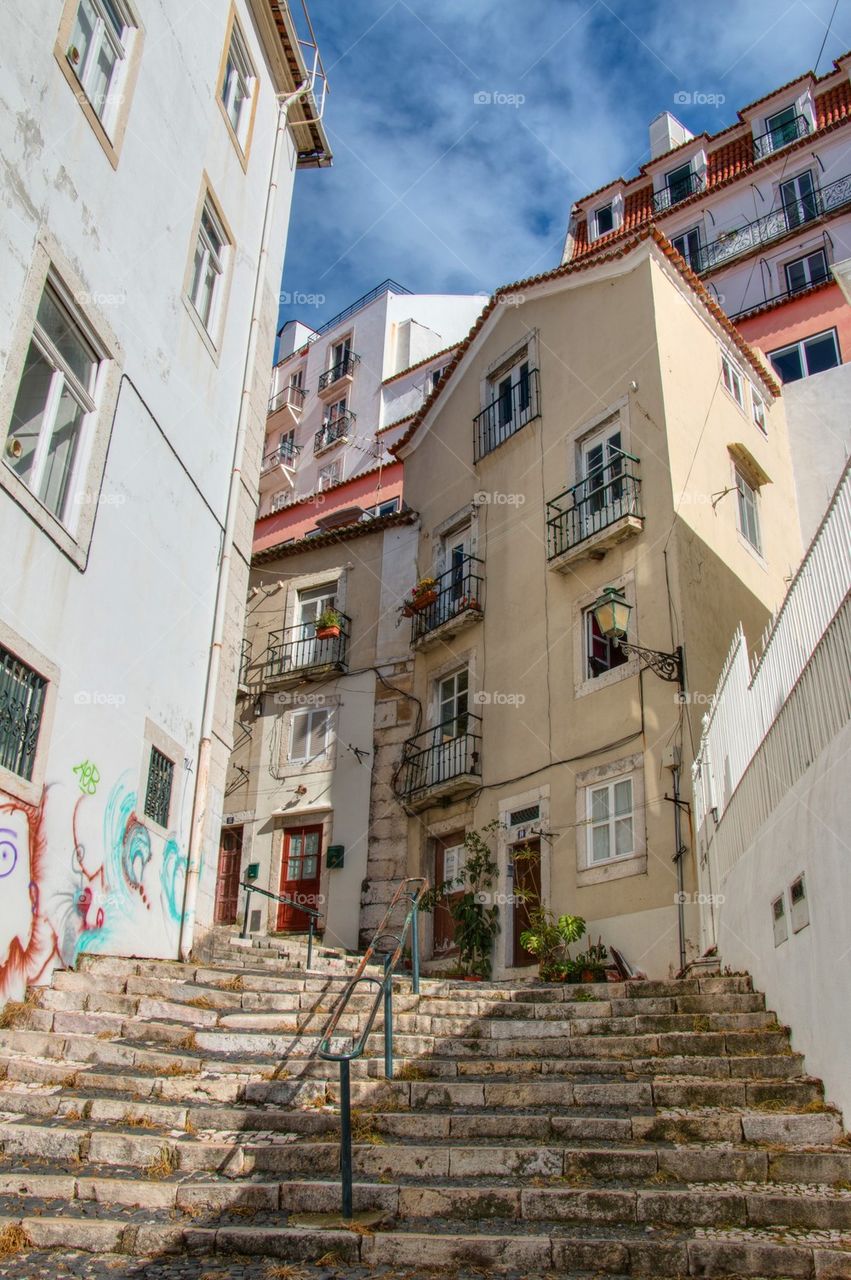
(769, 720)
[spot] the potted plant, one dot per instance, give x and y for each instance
(476, 920)
(328, 624)
(423, 593)
(590, 965)
(549, 939)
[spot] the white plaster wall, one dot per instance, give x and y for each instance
(818, 414)
(130, 635)
(807, 979)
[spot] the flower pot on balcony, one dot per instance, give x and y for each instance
(327, 633)
(423, 600)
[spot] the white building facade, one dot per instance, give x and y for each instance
(142, 264)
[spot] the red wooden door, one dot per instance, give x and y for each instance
(227, 882)
(449, 858)
(300, 870)
(527, 876)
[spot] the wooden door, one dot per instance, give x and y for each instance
(301, 866)
(227, 882)
(527, 877)
(449, 858)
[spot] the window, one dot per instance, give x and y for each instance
(733, 381)
(208, 266)
(280, 500)
(688, 246)
(454, 863)
(97, 54)
(512, 402)
(286, 447)
(604, 220)
(329, 475)
(803, 272)
(799, 199)
(747, 508)
(22, 694)
(452, 700)
(610, 821)
(335, 411)
(782, 128)
(602, 653)
(436, 375)
(340, 353)
(810, 355)
(758, 410)
(309, 734)
(237, 91)
(297, 379)
(679, 183)
(158, 791)
(55, 397)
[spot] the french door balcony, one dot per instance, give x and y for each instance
(444, 763)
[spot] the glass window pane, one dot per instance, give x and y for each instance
(113, 15)
(600, 804)
(599, 843)
(28, 413)
(61, 454)
(99, 78)
(821, 353)
(298, 748)
(623, 796)
(311, 844)
(788, 364)
(81, 36)
(623, 836)
(309, 868)
(212, 232)
(293, 865)
(67, 339)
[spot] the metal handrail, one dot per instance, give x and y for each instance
(411, 890)
(333, 430)
(674, 192)
(311, 913)
(765, 144)
(339, 370)
(458, 589)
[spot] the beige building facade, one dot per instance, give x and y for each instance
(600, 427)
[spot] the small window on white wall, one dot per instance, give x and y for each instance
(237, 91)
(748, 511)
(208, 266)
(610, 821)
(97, 53)
(733, 381)
(309, 734)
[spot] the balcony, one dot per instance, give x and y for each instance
(675, 192)
(775, 225)
(298, 653)
(278, 467)
(780, 136)
(334, 381)
(591, 517)
(459, 602)
(442, 764)
(505, 415)
(244, 665)
(291, 398)
(334, 432)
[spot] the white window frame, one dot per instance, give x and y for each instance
(695, 230)
(601, 209)
(609, 787)
(314, 716)
(280, 500)
(733, 380)
(747, 503)
(104, 33)
(210, 255)
(804, 260)
(622, 865)
(758, 410)
(329, 475)
(245, 78)
(63, 379)
(801, 347)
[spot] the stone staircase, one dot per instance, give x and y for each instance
(158, 1110)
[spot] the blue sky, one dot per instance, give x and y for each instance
(444, 190)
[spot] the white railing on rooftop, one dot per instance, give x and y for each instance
(750, 695)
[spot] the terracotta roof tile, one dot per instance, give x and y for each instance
(620, 250)
(356, 530)
(834, 105)
(729, 161)
(447, 351)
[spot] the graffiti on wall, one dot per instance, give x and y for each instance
(92, 879)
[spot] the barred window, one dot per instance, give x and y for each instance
(22, 693)
(158, 794)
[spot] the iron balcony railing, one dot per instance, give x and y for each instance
(339, 370)
(299, 649)
(677, 190)
(449, 750)
(244, 660)
(289, 395)
(337, 429)
(284, 456)
(459, 589)
(505, 415)
(780, 136)
(312, 914)
(781, 296)
(590, 506)
(787, 217)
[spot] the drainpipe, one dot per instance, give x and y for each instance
(205, 749)
(678, 858)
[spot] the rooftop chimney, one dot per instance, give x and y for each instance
(666, 132)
